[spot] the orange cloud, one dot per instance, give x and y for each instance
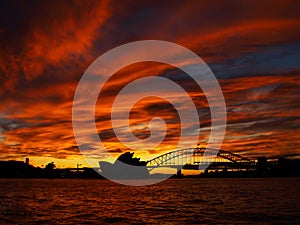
(41, 61)
(53, 38)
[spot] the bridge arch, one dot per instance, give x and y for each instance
(181, 157)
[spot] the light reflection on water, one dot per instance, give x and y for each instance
(181, 201)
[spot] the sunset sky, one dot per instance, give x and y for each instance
(252, 47)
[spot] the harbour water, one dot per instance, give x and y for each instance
(174, 201)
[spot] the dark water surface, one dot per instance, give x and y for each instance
(181, 201)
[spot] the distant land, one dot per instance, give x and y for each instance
(283, 167)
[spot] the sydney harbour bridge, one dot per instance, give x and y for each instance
(201, 158)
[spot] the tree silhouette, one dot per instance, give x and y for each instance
(49, 170)
(50, 166)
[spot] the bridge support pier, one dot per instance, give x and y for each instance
(179, 173)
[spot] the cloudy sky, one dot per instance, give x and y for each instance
(252, 48)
